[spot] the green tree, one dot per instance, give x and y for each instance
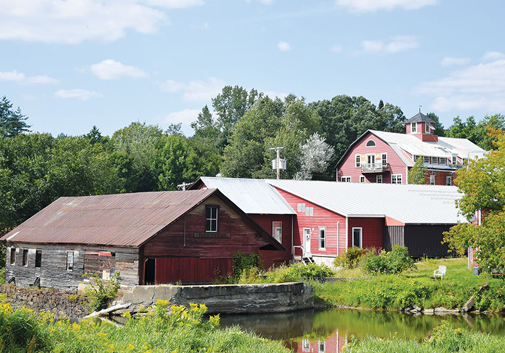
(439, 128)
(417, 172)
(12, 122)
(464, 129)
(483, 186)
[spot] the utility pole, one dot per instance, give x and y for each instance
(278, 149)
(183, 186)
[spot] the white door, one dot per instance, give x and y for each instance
(306, 240)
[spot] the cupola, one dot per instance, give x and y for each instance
(422, 127)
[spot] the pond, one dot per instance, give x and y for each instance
(327, 331)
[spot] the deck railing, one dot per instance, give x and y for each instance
(377, 167)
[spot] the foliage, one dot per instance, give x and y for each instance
(315, 156)
(439, 128)
(393, 262)
(100, 292)
(12, 122)
(477, 132)
(483, 186)
(242, 262)
(351, 258)
(282, 274)
(417, 172)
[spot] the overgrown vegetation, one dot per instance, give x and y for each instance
(242, 262)
(443, 339)
(393, 262)
(294, 273)
(184, 330)
(351, 258)
(101, 292)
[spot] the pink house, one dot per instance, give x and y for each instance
(386, 157)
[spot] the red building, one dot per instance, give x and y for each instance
(386, 157)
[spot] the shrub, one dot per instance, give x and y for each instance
(100, 292)
(241, 262)
(351, 258)
(393, 262)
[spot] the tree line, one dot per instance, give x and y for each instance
(233, 137)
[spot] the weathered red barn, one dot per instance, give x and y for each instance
(153, 237)
(386, 157)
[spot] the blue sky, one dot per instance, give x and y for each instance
(70, 65)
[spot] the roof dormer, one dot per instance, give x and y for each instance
(422, 127)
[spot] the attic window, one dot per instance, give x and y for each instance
(370, 143)
(211, 213)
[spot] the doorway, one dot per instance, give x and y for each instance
(306, 240)
(150, 271)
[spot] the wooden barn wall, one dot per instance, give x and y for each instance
(393, 235)
(187, 236)
(275, 257)
(372, 232)
(53, 270)
(426, 240)
(321, 217)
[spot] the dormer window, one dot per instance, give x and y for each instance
(427, 127)
(413, 127)
(370, 143)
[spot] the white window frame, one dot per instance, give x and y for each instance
(454, 160)
(321, 346)
(360, 229)
(345, 179)
(448, 180)
(362, 179)
(277, 231)
(384, 158)
(426, 159)
(357, 161)
(413, 127)
(396, 178)
(210, 219)
(434, 160)
(427, 127)
(432, 179)
(370, 143)
(443, 161)
(322, 239)
(378, 179)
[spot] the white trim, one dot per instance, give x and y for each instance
(370, 140)
(362, 179)
(275, 226)
(382, 159)
(338, 234)
(360, 236)
(413, 128)
(345, 181)
(396, 178)
(376, 180)
(356, 163)
(319, 238)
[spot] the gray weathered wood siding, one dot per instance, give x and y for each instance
(53, 271)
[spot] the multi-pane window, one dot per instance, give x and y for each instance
(426, 159)
(427, 127)
(413, 127)
(443, 160)
(384, 159)
(358, 161)
(211, 218)
(378, 179)
(70, 261)
(448, 180)
(38, 258)
(454, 160)
(277, 231)
(362, 179)
(434, 160)
(322, 238)
(346, 179)
(370, 143)
(396, 179)
(13, 256)
(25, 257)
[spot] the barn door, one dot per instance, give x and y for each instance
(190, 269)
(306, 240)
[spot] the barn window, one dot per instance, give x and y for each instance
(384, 158)
(211, 213)
(426, 159)
(454, 160)
(25, 257)
(357, 235)
(346, 179)
(434, 160)
(277, 231)
(322, 238)
(413, 127)
(362, 179)
(357, 161)
(322, 346)
(38, 258)
(70, 261)
(443, 160)
(448, 180)
(13, 256)
(378, 179)
(396, 179)
(370, 143)
(432, 179)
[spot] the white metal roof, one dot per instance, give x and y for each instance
(414, 204)
(445, 147)
(253, 196)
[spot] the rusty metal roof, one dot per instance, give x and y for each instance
(120, 220)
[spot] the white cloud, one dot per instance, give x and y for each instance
(284, 46)
(477, 86)
(266, 2)
(397, 44)
(174, 4)
(195, 91)
(71, 22)
(113, 70)
(374, 5)
(81, 94)
(336, 48)
(274, 95)
(14, 76)
(186, 117)
(492, 55)
(454, 61)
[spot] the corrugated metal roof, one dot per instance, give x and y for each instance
(445, 147)
(121, 220)
(412, 204)
(253, 196)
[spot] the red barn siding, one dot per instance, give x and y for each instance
(372, 232)
(182, 240)
(321, 218)
(273, 257)
(348, 168)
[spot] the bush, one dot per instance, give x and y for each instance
(393, 262)
(100, 292)
(241, 262)
(351, 258)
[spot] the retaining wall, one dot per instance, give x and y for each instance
(228, 299)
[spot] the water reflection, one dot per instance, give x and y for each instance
(327, 331)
